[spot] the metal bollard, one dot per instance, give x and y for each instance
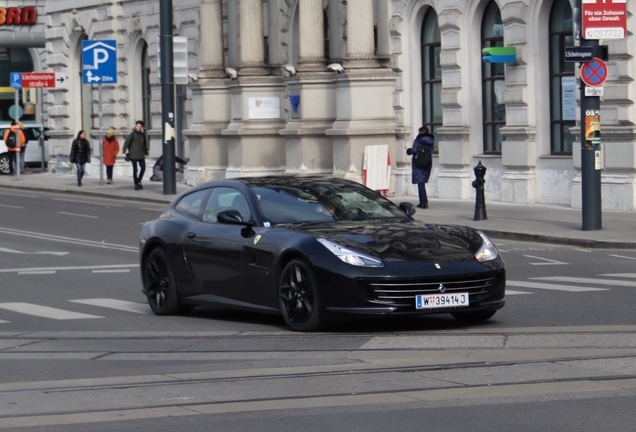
(478, 184)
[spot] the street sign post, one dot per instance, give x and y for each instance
(578, 54)
(26, 80)
(594, 73)
(99, 62)
(99, 66)
(29, 80)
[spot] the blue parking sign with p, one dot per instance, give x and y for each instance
(99, 62)
(16, 80)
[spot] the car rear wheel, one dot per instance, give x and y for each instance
(160, 285)
(4, 164)
(298, 296)
(473, 317)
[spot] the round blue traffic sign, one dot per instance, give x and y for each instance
(594, 73)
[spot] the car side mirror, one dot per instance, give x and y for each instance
(407, 208)
(233, 217)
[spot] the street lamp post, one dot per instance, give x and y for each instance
(167, 98)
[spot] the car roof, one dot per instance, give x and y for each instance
(279, 181)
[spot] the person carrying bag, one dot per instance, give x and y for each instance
(422, 163)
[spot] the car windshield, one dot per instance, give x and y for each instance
(322, 203)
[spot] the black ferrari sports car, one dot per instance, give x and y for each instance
(314, 249)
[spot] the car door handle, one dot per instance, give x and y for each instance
(191, 235)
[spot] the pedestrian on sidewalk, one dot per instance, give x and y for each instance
(80, 154)
(111, 150)
(137, 149)
(23, 169)
(421, 174)
(15, 140)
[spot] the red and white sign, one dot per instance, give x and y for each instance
(604, 19)
(594, 73)
(43, 80)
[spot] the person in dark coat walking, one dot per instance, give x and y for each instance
(419, 176)
(137, 148)
(80, 154)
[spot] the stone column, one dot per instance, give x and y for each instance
(312, 43)
(211, 28)
(252, 41)
(360, 34)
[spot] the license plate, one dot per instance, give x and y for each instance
(432, 301)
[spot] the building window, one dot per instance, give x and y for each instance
(431, 74)
(493, 81)
(562, 81)
(146, 90)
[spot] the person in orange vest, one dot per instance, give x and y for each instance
(15, 141)
(111, 149)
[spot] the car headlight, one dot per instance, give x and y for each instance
(487, 251)
(350, 256)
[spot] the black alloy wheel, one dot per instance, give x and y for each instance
(160, 285)
(299, 301)
(473, 317)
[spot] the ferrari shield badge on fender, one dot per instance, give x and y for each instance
(257, 238)
(437, 266)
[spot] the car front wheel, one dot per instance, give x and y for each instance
(160, 285)
(4, 164)
(299, 301)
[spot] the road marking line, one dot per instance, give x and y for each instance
(10, 206)
(88, 202)
(45, 311)
(622, 256)
(112, 271)
(17, 270)
(79, 215)
(625, 275)
(20, 195)
(5, 322)
(152, 209)
(42, 236)
(611, 282)
(126, 306)
(33, 253)
(35, 272)
(512, 292)
(522, 284)
(583, 250)
(548, 261)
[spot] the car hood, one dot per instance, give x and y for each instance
(401, 240)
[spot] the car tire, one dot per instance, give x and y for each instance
(473, 317)
(4, 164)
(159, 283)
(298, 297)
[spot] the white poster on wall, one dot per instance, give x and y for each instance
(264, 108)
(568, 98)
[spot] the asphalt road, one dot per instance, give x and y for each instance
(80, 349)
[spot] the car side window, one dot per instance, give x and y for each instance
(225, 198)
(192, 204)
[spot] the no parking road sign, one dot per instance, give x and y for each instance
(99, 62)
(594, 73)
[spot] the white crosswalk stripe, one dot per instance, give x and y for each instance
(513, 292)
(552, 287)
(611, 282)
(126, 306)
(45, 311)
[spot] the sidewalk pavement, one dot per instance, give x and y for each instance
(554, 224)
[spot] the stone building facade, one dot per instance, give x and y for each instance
(303, 86)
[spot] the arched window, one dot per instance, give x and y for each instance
(431, 74)
(562, 81)
(493, 81)
(14, 60)
(146, 91)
